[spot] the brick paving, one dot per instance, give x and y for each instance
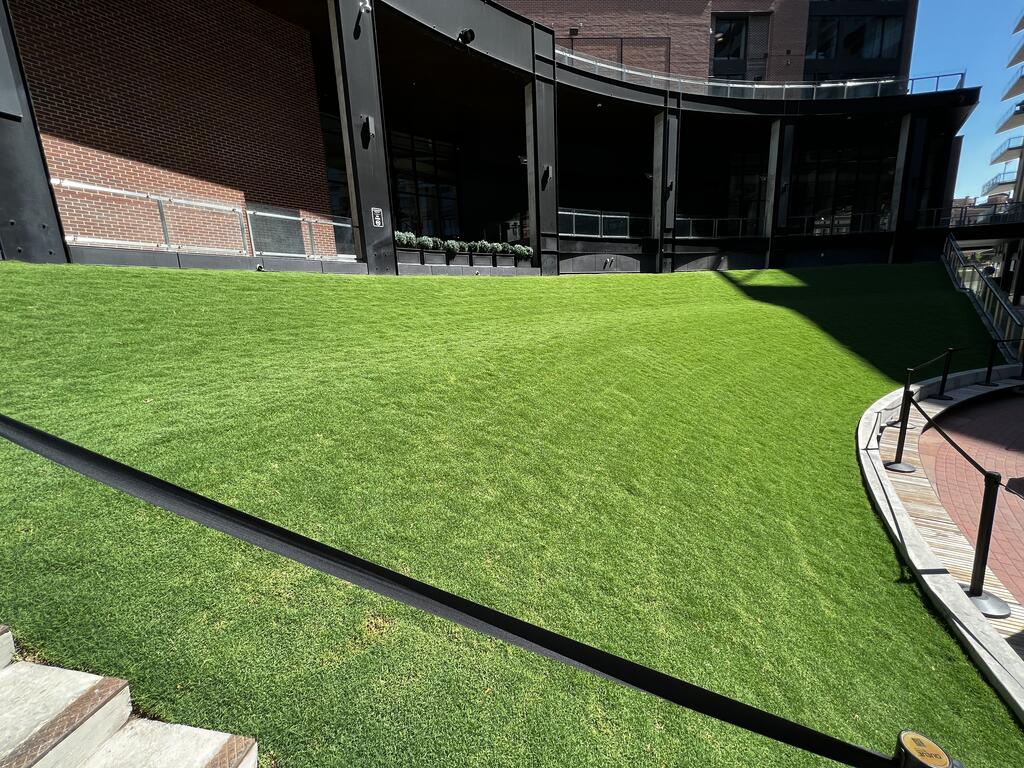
(992, 431)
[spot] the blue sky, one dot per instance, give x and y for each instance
(972, 35)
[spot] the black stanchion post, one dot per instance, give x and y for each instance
(987, 603)
(897, 465)
(916, 751)
(992, 350)
(946, 365)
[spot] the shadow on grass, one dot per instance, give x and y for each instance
(892, 317)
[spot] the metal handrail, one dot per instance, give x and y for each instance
(1005, 177)
(1013, 111)
(751, 89)
(689, 228)
(243, 214)
(1014, 79)
(839, 224)
(982, 214)
(635, 226)
(1014, 142)
(997, 309)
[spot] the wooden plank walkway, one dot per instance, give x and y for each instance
(943, 536)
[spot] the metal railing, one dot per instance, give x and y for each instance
(1004, 319)
(987, 603)
(1012, 143)
(1014, 79)
(971, 215)
(452, 607)
(693, 228)
(839, 224)
(576, 222)
(1000, 179)
(1014, 111)
(248, 230)
(747, 89)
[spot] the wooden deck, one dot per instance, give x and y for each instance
(943, 536)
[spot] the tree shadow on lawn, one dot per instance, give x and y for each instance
(891, 316)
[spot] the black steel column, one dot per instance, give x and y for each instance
(780, 168)
(541, 165)
(665, 179)
(354, 38)
(907, 182)
(30, 228)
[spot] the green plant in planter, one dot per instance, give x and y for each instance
(438, 243)
(425, 242)
(405, 239)
(522, 251)
(504, 249)
(462, 245)
(450, 246)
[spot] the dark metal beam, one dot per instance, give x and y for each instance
(542, 164)
(30, 228)
(354, 38)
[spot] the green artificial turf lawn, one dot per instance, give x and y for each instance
(661, 465)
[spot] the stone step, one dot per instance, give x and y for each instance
(55, 718)
(149, 744)
(6, 646)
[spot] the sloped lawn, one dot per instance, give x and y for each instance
(663, 466)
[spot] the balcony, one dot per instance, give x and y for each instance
(1020, 25)
(1015, 87)
(1018, 56)
(1008, 151)
(1014, 118)
(1000, 184)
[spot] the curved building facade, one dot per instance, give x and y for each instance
(307, 135)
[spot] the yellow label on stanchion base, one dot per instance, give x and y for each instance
(924, 750)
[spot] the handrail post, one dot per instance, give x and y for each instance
(897, 465)
(947, 364)
(986, 602)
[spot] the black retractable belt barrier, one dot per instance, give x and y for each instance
(475, 616)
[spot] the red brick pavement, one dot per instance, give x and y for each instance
(992, 432)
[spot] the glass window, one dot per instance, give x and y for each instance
(730, 38)
(821, 37)
(872, 37)
(854, 30)
(892, 37)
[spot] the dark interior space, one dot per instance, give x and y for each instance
(842, 175)
(456, 135)
(723, 168)
(605, 154)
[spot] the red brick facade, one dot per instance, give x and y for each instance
(671, 35)
(212, 101)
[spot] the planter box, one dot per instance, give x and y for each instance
(504, 260)
(524, 262)
(434, 257)
(483, 260)
(408, 255)
(459, 259)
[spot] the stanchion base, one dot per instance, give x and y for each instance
(938, 397)
(906, 469)
(989, 605)
(991, 385)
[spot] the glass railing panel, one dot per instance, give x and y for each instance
(615, 225)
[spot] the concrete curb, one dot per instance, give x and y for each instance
(1000, 664)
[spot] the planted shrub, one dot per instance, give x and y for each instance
(405, 239)
(427, 243)
(438, 243)
(504, 248)
(522, 251)
(450, 246)
(463, 246)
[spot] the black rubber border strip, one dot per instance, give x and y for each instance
(417, 594)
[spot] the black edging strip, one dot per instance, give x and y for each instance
(425, 597)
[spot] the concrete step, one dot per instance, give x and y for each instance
(149, 744)
(55, 718)
(6, 646)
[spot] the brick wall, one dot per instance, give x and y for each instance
(214, 101)
(679, 30)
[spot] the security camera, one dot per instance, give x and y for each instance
(466, 36)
